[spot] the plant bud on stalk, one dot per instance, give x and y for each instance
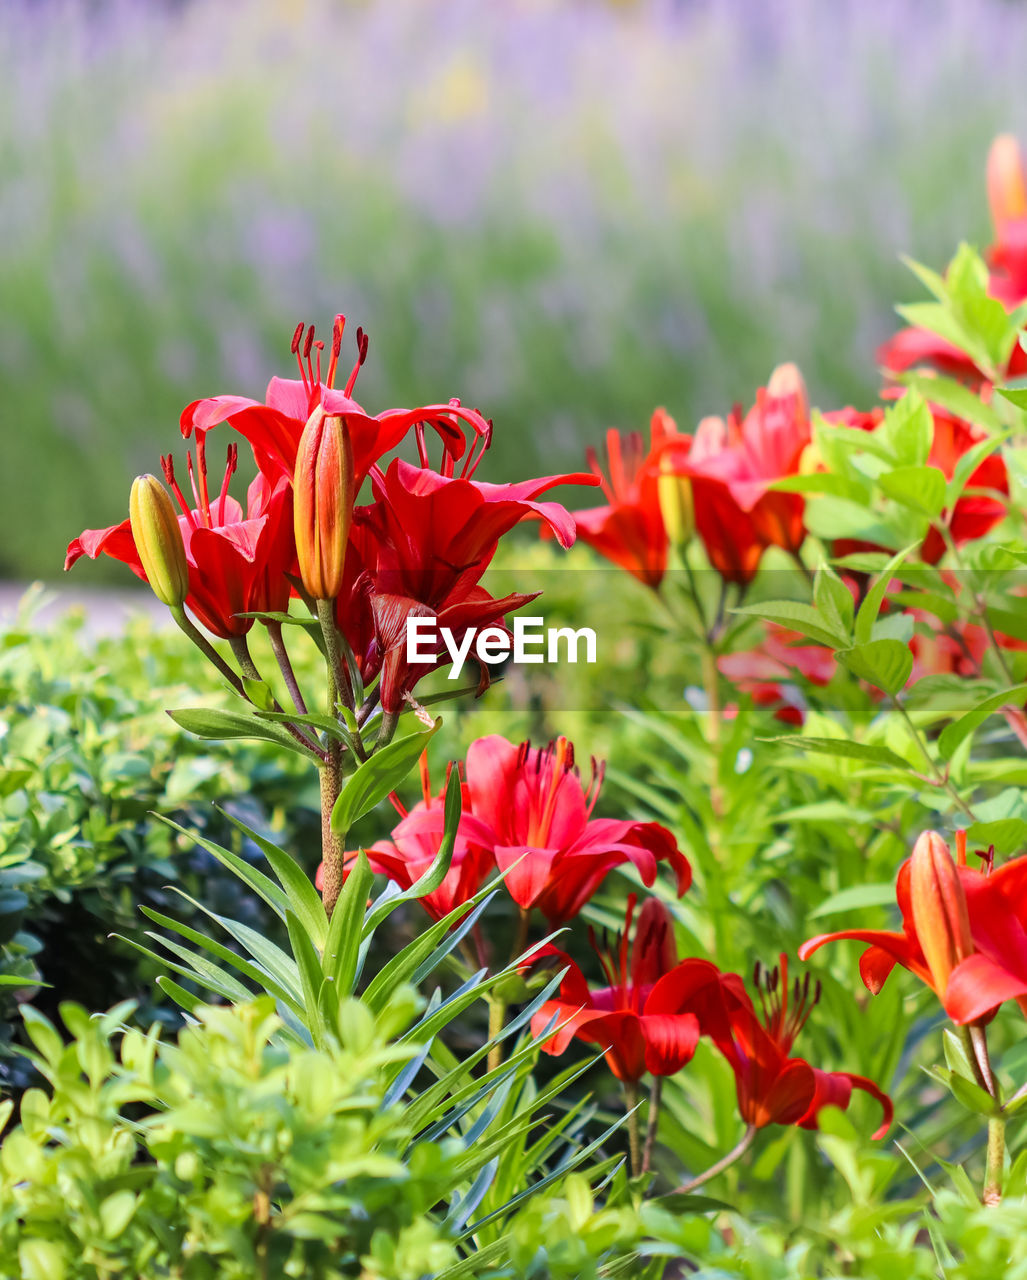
(939, 911)
(786, 380)
(158, 540)
(677, 506)
(1007, 190)
(323, 503)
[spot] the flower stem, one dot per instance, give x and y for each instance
(331, 845)
(497, 1020)
(186, 625)
(654, 1120)
(274, 635)
(634, 1142)
(333, 654)
(938, 778)
(725, 1162)
(711, 684)
(241, 650)
(497, 1005)
(996, 1158)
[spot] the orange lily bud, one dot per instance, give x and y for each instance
(1007, 190)
(323, 503)
(939, 911)
(786, 380)
(158, 540)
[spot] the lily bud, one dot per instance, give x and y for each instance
(323, 503)
(1007, 191)
(158, 540)
(811, 459)
(677, 505)
(786, 380)
(939, 911)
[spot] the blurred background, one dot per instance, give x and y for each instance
(564, 213)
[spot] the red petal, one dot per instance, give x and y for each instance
(979, 985)
(670, 1041)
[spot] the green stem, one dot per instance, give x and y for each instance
(711, 684)
(497, 1020)
(498, 1006)
(725, 1162)
(387, 729)
(996, 1160)
(979, 1040)
(938, 778)
(976, 1040)
(971, 1053)
(207, 649)
(654, 1120)
(241, 650)
(333, 655)
(634, 1143)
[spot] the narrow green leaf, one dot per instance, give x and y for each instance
(309, 964)
(261, 884)
(952, 735)
(845, 749)
(855, 898)
(342, 946)
(955, 397)
(378, 777)
(304, 899)
(206, 722)
(833, 601)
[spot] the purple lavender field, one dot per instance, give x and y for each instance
(570, 212)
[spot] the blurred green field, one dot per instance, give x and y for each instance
(563, 213)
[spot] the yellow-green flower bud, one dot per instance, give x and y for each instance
(158, 540)
(677, 505)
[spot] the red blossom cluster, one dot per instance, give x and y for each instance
(528, 813)
(419, 548)
(655, 1009)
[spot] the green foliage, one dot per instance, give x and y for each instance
(88, 754)
(219, 1154)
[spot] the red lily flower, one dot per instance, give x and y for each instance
(772, 1086)
(415, 845)
(732, 465)
(237, 563)
(426, 541)
(972, 969)
(536, 813)
(436, 534)
(472, 611)
(630, 530)
(274, 428)
(618, 1018)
